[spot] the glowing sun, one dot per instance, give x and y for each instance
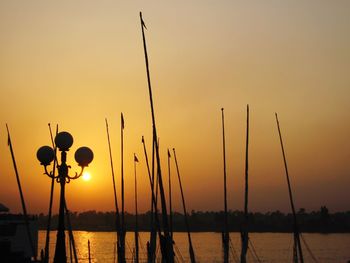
(86, 176)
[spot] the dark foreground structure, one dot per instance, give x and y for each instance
(14, 243)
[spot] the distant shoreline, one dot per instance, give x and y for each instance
(253, 232)
(274, 222)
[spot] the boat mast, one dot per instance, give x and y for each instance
(89, 253)
(122, 236)
(70, 234)
(244, 234)
(154, 225)
(151, 244)
(170, 201)
(136, 215)
(118, 227)
(226, 235)
(47, 239)
(192, 256)
(167, 238)
(297, 243)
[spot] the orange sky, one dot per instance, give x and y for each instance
(76, 62)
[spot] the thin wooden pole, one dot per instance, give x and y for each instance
(169, 243)
(151, 244)
(170, 200)
(226, 236)
(24, 209)
(89, 251)
(295, 224)
(191, 251)
(154, 172)
(136, 215)
(118, 227)
(123, 233)
(70, 251)
(47, 239)
(156, 225)
(244, 234)
(70, 232)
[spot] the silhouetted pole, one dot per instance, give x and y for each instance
(24, 209)
(70, 233)
(154, 175)
(70, 251)
(170, 201)
(295, 251)
(118, 227)
(226, 236)
(151, 247)
(154, 225)
(297, 242)
(193, 258)
(169, 244)
(244, 234)
(89, 251)
(122, 236)
(47, 239)
(136, 215)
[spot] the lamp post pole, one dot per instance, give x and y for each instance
(60, 251)
(45, 155)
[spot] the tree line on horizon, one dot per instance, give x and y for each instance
(320, 221)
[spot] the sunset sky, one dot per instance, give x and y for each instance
(75, 63)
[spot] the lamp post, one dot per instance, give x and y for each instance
(46, 155)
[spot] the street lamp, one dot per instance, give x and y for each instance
(46, 155)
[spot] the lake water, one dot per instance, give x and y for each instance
(270, 247)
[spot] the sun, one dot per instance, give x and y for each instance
(86, 176)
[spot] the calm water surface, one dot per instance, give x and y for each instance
(270, 247)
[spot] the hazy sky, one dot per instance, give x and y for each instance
(76, 62)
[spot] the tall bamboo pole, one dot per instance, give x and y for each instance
(89, 251)
(191, 251)
(167, 238)
(118, 226)
(136, 215)
(70, 232)
(70, 252)
(244, 234)
(226, 237)
(48, 228)
(123, 233)
(170, 200)
(297, 242)
(156, 224)
(152, 239)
